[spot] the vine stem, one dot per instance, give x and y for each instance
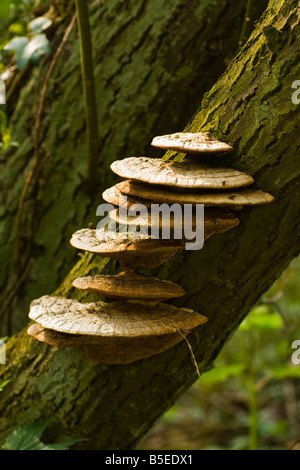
(88, 83)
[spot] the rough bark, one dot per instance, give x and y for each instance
(114, 406)
(153, 62)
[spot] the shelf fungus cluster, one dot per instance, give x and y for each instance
(131, 320)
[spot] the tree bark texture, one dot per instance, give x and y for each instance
(153, 63)
(114, 406)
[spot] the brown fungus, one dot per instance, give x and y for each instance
(135, 191)
(108, 350)
(130, 252)
(129, 286)
(188, 174)
(216, 220)
(192, 142)
(114, 196)
(114, 333)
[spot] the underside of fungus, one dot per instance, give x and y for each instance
(135, 191)
(129, 251)
(108, 350)
(216, 220)
(129, 286)
(194, 143)
(119, 332)
(188, 174)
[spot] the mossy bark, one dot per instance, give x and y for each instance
(114, 406)
(153, 62)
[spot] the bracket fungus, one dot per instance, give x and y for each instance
(187, 174)
(107, 350)
(138, 325)
(192, 142)
(131, 252)
(114, 196)
(129, 286)
(112, 333)
(215, 221)
(136, 191)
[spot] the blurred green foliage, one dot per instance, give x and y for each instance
(4, 11)
(250, 399)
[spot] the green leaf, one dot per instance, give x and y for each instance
(39, 24)
(221, 373)
(285, 372)
(2, 384)
(38, 46)
(28, 50)
(64, 445)
(17, 28)
(18, 45)
(261, 319)
(28, 438)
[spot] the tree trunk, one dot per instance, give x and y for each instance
(114, 406)
(153, 63)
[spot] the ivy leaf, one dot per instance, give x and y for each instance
(38, 46)
(39, 24)
(28, 50)
(28, 438)
(18, 45)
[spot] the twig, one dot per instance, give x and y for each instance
(88, 83)
(294, 444)
(192, 353)
(36, 156)
(15, 82)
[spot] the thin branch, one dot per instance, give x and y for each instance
(88, 83)
(192, 353)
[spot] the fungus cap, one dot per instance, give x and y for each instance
(135, 191)
(114, 196)
(191, 142)
(129, 285)
(121, 246)
(188, 174)
(114, 319)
